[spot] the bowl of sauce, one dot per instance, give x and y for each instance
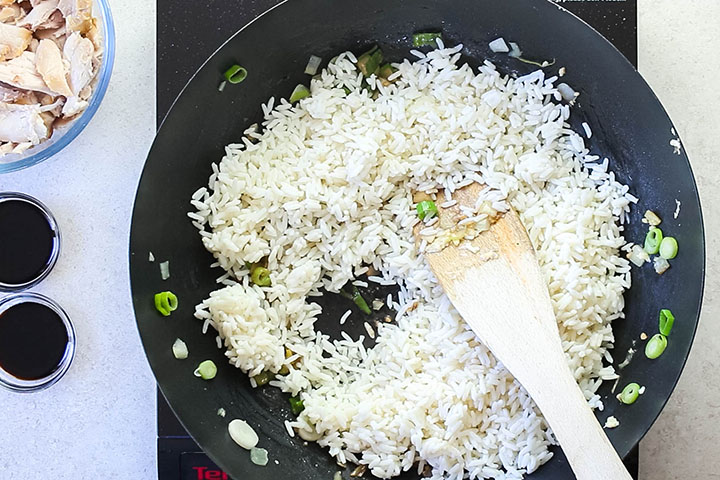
(29, 241)
(37, 342)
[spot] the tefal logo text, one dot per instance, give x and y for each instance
(205, 473)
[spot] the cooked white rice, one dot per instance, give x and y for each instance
(327, 190)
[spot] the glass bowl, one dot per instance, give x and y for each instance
(20, 385)
(66, 134)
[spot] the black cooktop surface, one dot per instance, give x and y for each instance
(188, 33)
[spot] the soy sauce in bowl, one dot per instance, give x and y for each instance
(37, 342)
(29, 241)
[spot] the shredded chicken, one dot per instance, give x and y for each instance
(21, 73)
(22, 123)
(50, 65)
(78, 14)
(39, 15)
(49, 56)
(11, 12)
(13, 41)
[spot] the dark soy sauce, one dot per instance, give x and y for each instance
(33, 340)
(26, 242)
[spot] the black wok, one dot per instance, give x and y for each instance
(629, 125)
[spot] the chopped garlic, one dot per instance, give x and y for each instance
(611, 422)
(651, 218)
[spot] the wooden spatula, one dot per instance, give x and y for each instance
(497, 287)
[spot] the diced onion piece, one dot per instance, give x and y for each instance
(337, 476)
(180, 350)
(499, 46)
(221, 412)
(515, 51)
(313, 64)
(242, 434)
(151, 257)
(661, 265)
(221, 87)
(165, 270)
(638, 256)
(566, 92)
(652, 218)
(259, 456)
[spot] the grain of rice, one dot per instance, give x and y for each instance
(369, 330)
(289, 428)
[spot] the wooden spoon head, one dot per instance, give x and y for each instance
(495, 273)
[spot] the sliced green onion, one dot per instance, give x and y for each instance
(165, 303)
(386, 70)
(426, 209)
(652, 240)
(668, 248)
(300, 92)
(296, 405)
(360, 301)
(425, 39)
(260, 276)
(235, 74)
(630, 393)
(206, 370)
(243, 434)
(667, 319)
(656, 346)
(369, 62)
(263, 378)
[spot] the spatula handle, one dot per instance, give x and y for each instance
(587, 448)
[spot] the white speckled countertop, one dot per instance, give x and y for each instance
(99, 421)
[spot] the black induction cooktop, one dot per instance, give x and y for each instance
(188, 33)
